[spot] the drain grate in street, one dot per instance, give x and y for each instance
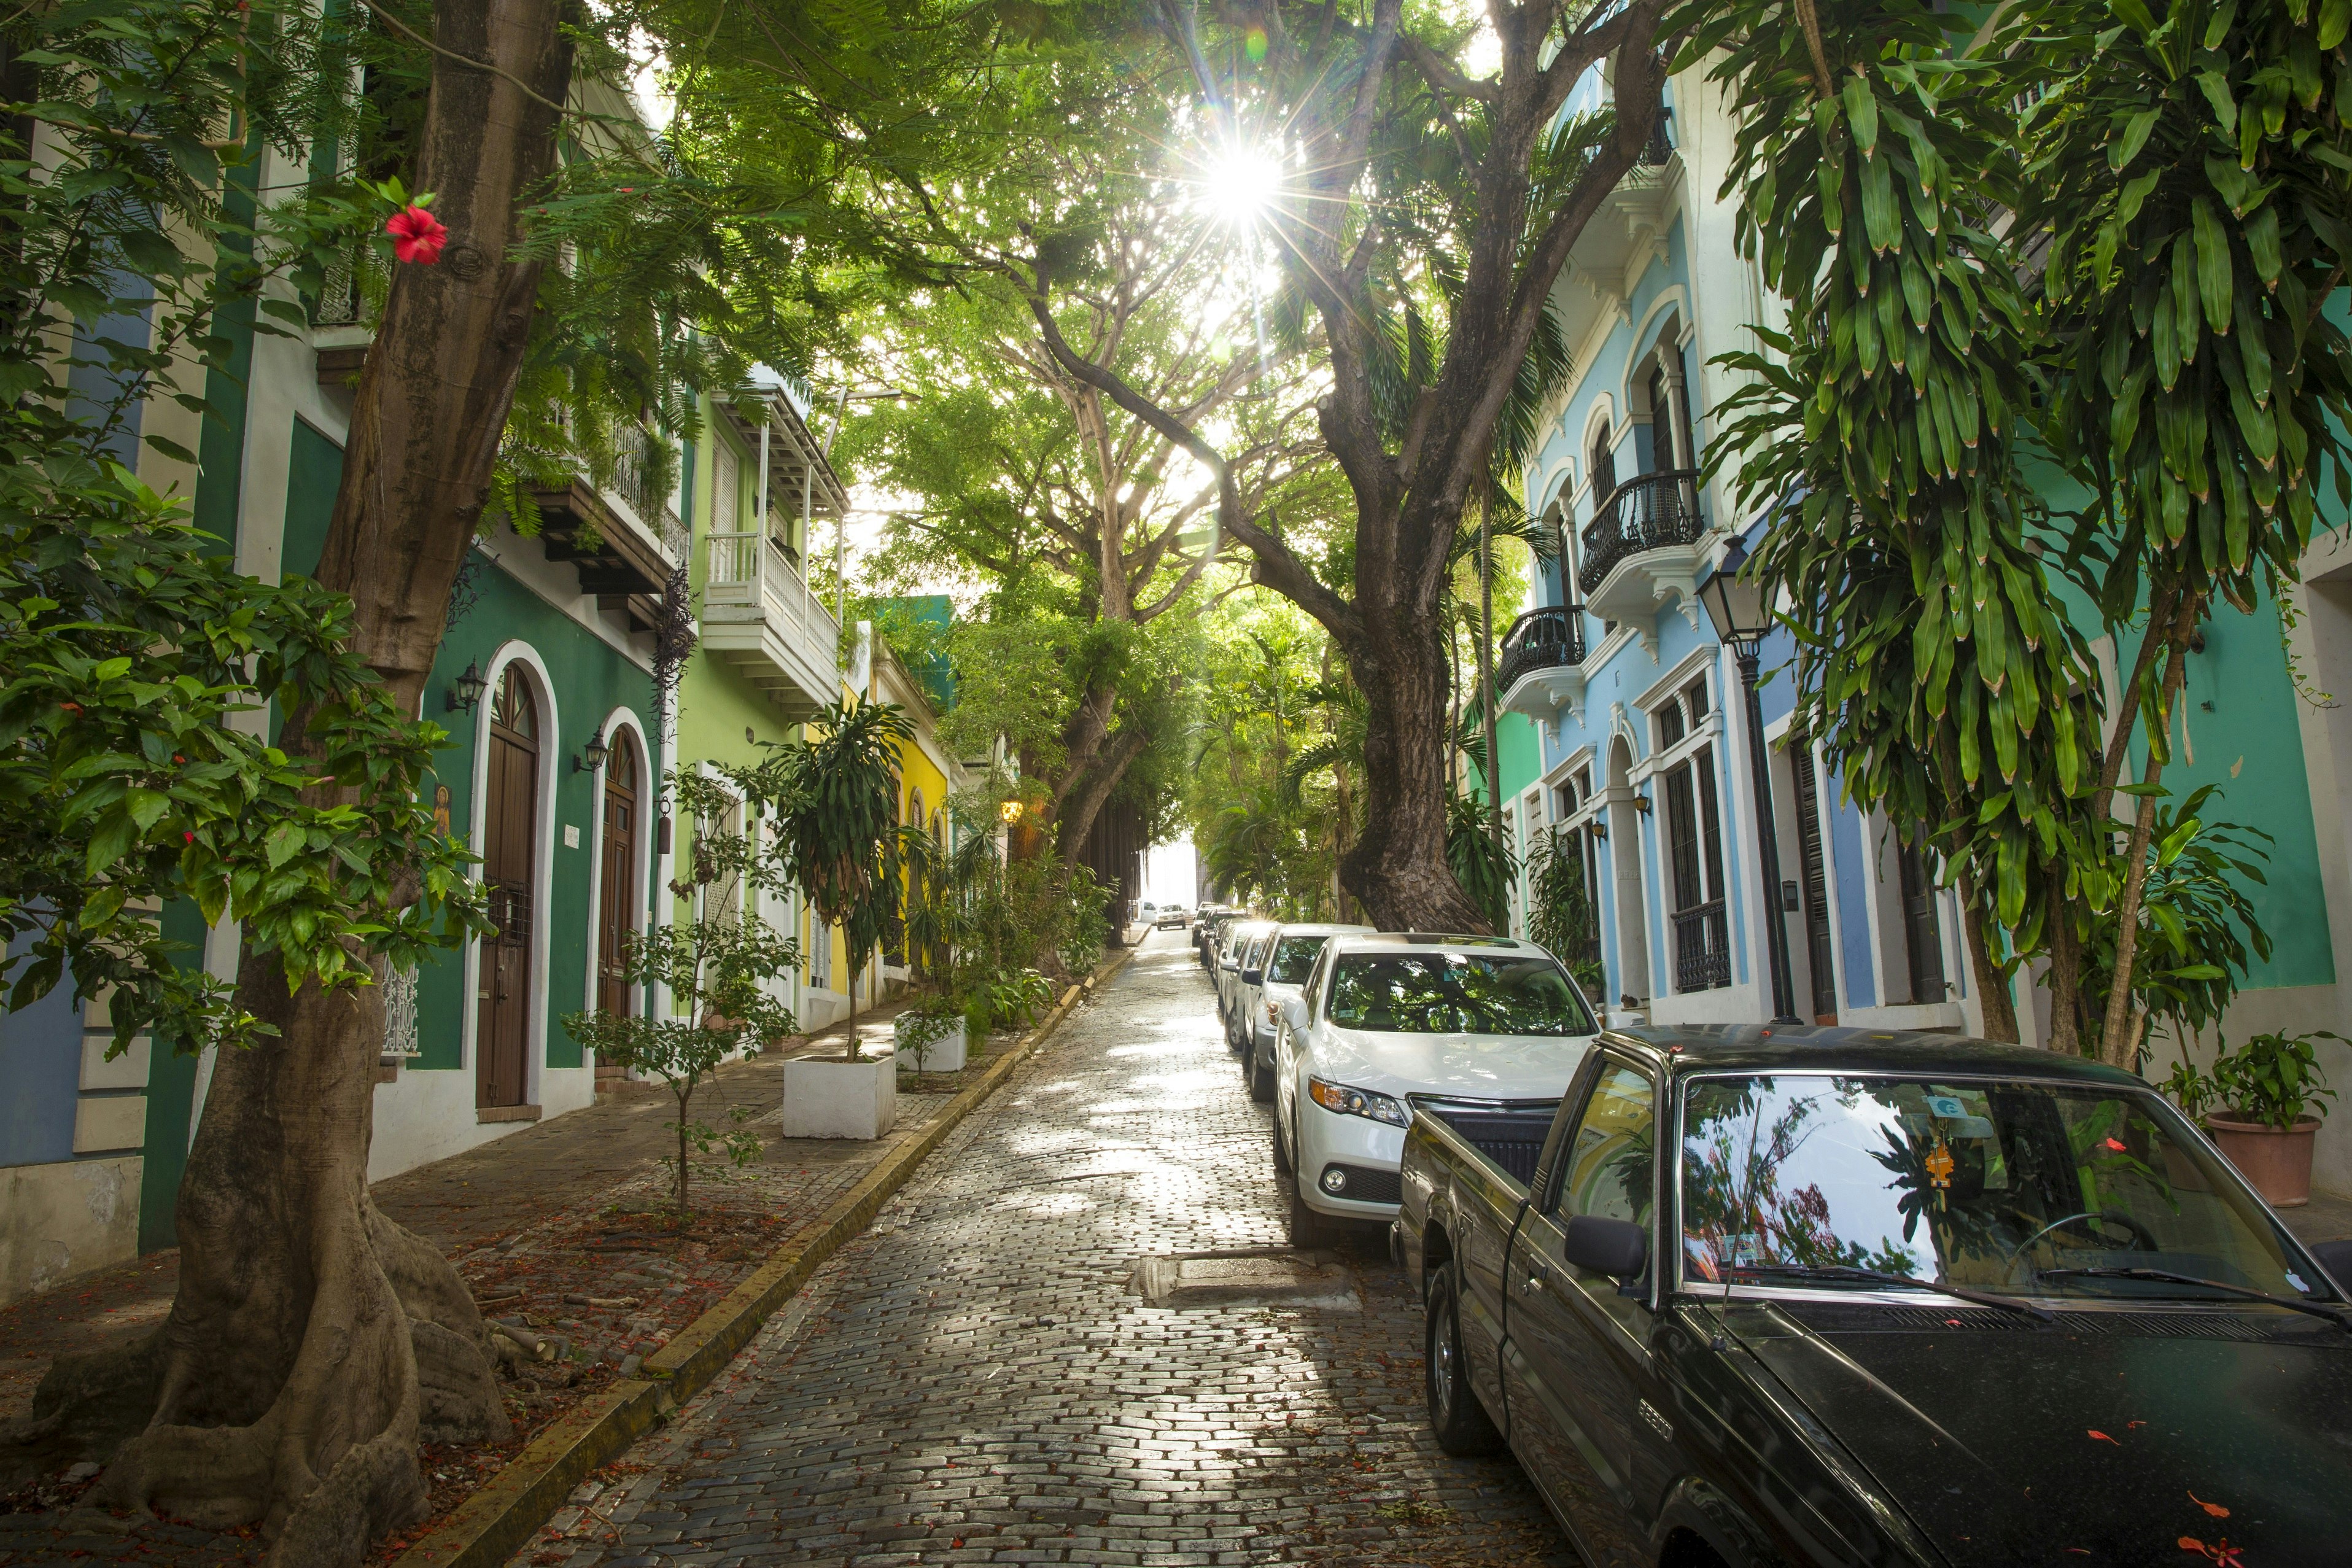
(1245, 1279)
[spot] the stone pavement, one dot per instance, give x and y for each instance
(558, 1230)
(972, 1380)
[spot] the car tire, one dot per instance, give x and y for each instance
(1281, 1146)
(1260, 1076)
(1309, 1230)
(1456, 1419)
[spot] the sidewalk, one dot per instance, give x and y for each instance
(555, 1228)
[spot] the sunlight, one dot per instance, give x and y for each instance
(1241, 185)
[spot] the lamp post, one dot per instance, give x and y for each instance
(1742, 617)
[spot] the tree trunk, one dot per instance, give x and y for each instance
(2117, 1041)
(1488, 696)
(1993, 999)
(1398, 870)
(1074, 821)
(314, 1343)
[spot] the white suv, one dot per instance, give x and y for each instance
(1388, 1017)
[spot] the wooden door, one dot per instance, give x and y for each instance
(510, 837)
(1922, 939)
(1813, 877)
(616, 901)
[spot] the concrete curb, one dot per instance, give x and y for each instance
(493, 1524)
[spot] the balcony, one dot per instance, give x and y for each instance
(1642, 551)
(1702, 948)
(622, 537)
(1542, 666)
(760, 615)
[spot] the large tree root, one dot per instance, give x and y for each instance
(313, 1345)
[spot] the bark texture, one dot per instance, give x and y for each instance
(314, 1343)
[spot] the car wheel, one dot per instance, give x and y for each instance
(1459, 1422)
(1281, 1146)
(1308, 1228)
(1260, 1074)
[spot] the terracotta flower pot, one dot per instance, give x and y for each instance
(2275, 1160)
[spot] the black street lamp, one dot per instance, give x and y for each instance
(468, 690)
(1737, 606)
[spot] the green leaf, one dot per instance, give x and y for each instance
(2136, 129)
(1861, 111)
(2213, 281)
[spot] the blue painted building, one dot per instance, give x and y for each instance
(1642, 762)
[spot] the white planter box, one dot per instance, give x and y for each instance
(945, 1054)
(829, 1098)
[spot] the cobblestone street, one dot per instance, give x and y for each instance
(975, 1381)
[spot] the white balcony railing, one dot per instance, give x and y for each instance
(760, 614)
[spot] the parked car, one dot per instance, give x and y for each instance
(1246, 980)
(1206, 934)
(1820, 1296)
(1383, 1016)
(1278, 979)
(1238, 935)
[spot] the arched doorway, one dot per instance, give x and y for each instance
(616, 901)
(509, 843)
(617, 896)
(1625, 861)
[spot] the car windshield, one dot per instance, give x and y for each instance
(1294, 959)
(2000, 1185)
(1455, 992)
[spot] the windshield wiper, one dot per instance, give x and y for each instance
(1876, 1276)
(2167, 1277)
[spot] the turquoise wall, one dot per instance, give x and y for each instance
(589, 678)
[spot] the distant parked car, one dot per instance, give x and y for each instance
(1238, 935)
(1250, 970)
(1811, 1297)
(1289, 959)
(1208, 931)
(1487, 1019)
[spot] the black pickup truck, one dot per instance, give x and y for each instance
(1750, 1296)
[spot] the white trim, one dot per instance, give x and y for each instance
(1669, 297)
(1674, 679)
(542, 864)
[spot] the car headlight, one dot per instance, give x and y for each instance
(1346, 1101)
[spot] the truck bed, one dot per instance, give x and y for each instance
(1511, 1134)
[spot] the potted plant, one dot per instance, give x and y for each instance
(2269, 1094)
(930, 1036)
(835, 790)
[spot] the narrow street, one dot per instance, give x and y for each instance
(976, 1381)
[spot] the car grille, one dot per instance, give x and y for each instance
(1366, 1186)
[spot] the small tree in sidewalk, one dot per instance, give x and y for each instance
(716, 967)
(838, 839)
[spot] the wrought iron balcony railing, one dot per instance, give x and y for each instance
(1648, 511)
(1549, 638)
(1702, 947)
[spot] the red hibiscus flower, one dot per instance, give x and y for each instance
(417, 235)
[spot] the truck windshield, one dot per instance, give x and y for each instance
(2009, 1185)
(1294, 959)
(1455, 993)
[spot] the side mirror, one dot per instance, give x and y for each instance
(1617, 1248)
(2336, 1257)
(1253, 976)
(1294, 1012)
